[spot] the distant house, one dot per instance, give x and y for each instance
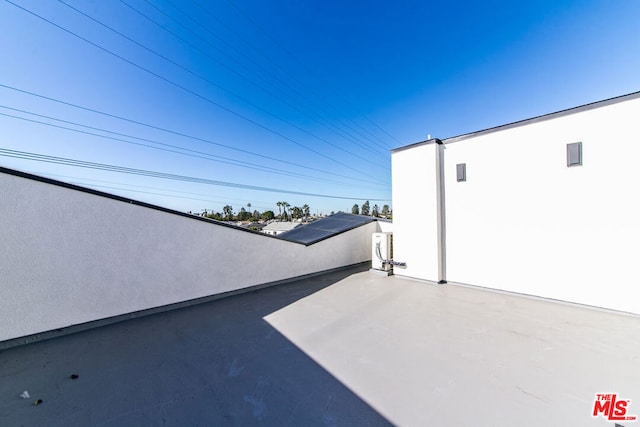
(279, 227)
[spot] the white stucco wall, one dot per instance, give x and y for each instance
(414, 212)
(385, 226)
(69, 257)
(525, 222)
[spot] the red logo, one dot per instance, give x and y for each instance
(613, 409)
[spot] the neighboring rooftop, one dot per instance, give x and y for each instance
(346, 348)
(278, 227)
(325, 228)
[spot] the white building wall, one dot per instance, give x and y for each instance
(385, 226)
(414, 212)
(525, 222)
(69, 257)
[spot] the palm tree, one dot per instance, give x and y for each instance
(285, 205)
(279, 204)
(296, 212)
(228, 210)
(306, 209)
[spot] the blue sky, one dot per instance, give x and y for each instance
(305, 97)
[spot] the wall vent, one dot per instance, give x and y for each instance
(461, 172)
(574, 154)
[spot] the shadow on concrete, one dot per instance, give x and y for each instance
(217, 363)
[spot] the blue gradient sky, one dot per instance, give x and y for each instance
(327, 88)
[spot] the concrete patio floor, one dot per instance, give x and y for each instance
(346, 348)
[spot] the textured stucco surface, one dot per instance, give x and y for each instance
(523, 221)
(414, 212)
(69, 257)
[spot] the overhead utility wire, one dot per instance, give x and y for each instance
(157, 194)
(336, 130)
(125, 141)
(200, 76)
(326, 123)
(383, 146)
(154, 174)
(273, 39)
(146, 192)
(204, 98)
(196, 153)
(86, 184)
(195, 138)
(188, 152)
(83, 181)
(243, 99)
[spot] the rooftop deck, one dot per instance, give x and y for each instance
(346, 348)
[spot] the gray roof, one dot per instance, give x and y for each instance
(326, 227)
(345, 348)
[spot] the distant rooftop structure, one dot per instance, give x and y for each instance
(325, 228)
(278, 227)
(254, 225)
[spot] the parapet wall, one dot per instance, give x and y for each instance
(69, 257)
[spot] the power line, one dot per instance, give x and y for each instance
(83, 181)
(202, 156)
(184, 88)
(158, 194)
(187, 151)
(328, 125)
(207, 80)
(311, 71)
(154, 174)
(243, 99)
(260, 209)
(181, 134)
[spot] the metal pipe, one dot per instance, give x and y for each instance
(387, 261)
(441, 213)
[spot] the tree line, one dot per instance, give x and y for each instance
(286, 212)
(374, 211)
